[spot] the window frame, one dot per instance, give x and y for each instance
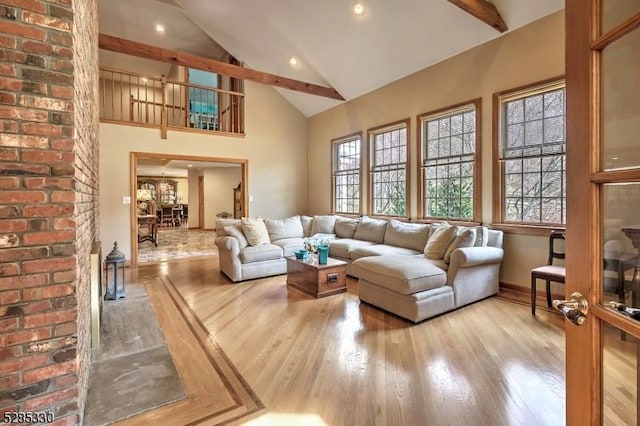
(334, 143)
(498, 222)
(371, 133)
(477, 160)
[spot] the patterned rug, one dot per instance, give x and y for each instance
(178, 243)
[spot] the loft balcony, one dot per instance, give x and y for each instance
(147, 101)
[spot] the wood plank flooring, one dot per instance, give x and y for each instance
(259, 353)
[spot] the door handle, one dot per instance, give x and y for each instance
(575, 309)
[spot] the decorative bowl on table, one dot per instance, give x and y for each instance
(301, 254)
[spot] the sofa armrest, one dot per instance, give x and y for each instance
(472, 256)
(474, 273)
(228, 243)
(229, 257)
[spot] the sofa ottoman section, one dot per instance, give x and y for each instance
(415, 307)
(401, 274)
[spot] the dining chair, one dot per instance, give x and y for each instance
(166, 216)
(549, 272)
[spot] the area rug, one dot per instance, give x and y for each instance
(178, 243)
(133, 371)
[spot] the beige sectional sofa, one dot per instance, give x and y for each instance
(413, 270)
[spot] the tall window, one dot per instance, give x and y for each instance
(449, 147)
(532, 155)
(388, 169)
(346, 174)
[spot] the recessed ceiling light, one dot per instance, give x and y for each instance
(190, 165)
(159, 28)
(293, 61)
(358, 8)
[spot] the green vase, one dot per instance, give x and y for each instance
(323, 254)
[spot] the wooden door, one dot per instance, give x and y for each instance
(201, 202)
(603, 201)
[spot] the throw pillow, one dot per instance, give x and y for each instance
(345, 227)
(307, 222)
(221, 223)
(235, 231)
(465, 238)
(482, 236)
(439, 241)
(371, 230)
(255, 231)
(279, 229)
(323, 224)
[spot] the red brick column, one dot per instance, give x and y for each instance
(48, 202)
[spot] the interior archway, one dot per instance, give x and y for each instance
(158, 164)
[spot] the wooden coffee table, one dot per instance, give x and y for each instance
(309, 276)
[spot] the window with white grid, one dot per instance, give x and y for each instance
(449, 143)
(532, 156)
(346, 174)
(388, 170)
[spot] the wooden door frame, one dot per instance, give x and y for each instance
(134, 155)
(580, 245)
(585, 179)
(201, 202)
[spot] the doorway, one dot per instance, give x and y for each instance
(184, 193)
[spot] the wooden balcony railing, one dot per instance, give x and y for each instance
(157, 102)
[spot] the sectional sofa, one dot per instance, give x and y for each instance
(413, 270)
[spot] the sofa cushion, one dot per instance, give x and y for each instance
(323, 224)
(409, 235)
(381, 250)
(439, 241)
(345, 227)
(371, 230)
(255, 231)
(235, 230)
(290, 227)
(464, 238)
(251, 254)
(289, 245)
(402, 274)
(221, 223)
(344, 246)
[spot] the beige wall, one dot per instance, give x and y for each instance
(218, 192)
(275, 147)
(527, 55)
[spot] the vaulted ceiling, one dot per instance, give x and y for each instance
(354, 54)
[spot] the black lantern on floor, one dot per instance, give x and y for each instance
(115, 259)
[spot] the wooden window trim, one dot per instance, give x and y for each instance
(497, 212)
(370, 133)
(477, 163)
(335, 142)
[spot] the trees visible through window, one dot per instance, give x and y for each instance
(388, 170)
(532, 156)
(346, 174)
(448, 163)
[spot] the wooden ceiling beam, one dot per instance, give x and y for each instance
(484, 11)
(128, 47)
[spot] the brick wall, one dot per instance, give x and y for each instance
(86, 102)
(48, 202)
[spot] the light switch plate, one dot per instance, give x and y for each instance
(126, 199)
(251, 198)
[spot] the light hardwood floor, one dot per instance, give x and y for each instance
(259, 353)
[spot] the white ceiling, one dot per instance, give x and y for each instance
(353, 54)
(175, 168)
